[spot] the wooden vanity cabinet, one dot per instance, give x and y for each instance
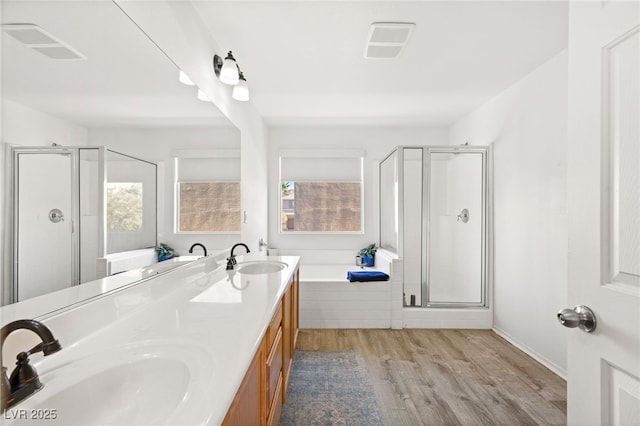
(273, 383)
(263, 390)
(248, 407)
(290, 325)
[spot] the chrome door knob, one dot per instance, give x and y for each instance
(580, 316)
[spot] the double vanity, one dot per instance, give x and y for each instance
(191, 344)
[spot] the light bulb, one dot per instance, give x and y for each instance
(241, 90)
(229, 71)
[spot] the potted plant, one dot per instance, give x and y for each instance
(368, 255)
(164, 252)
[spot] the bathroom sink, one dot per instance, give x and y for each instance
(141, 391)
(143, 385)
(257, 267)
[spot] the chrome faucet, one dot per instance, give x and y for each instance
(231, 260)
(24, 379)
(198, 244)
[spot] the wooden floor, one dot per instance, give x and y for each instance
(449, 377)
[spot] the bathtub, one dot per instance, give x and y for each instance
(329, 300)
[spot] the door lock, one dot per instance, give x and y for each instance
(580, 316)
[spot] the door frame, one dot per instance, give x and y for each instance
(16, 152)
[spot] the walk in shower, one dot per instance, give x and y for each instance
(72, 206)
(434, 215)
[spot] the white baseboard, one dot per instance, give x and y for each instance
(533, 354)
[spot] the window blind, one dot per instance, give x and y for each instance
(321, 165)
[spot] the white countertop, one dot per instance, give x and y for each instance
(212, 318)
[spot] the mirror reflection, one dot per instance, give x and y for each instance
(94, 121)
(131, 203)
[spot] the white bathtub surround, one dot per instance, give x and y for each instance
(125, 261)
(329, 300)
(199, 325)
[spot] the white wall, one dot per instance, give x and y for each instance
(156, 145)
(22, 125)
(377, 142)
(179, 31)
(526, 125)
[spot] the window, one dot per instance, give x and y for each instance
(321, 191)
(208, 191)
(209, 206)
(124, 206)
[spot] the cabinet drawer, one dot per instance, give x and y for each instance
(274, 327)
(276, 406)
(274, 366)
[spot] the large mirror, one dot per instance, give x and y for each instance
(82, 74)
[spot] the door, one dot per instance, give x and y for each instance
(44, 247)
(603, 385)
(456, 227)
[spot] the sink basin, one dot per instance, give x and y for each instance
(130, 386)
(142, 391)
(261, 267)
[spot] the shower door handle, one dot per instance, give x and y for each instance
(463, 216)
(56, 216)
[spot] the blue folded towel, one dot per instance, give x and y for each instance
(367, 276)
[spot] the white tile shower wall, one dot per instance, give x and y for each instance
(526, 125)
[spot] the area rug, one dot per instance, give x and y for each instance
(329, 388)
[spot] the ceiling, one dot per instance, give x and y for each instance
(125, 79)
(304, 60)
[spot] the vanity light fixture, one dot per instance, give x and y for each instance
(241, 90)
(229, 71)
(184, 79)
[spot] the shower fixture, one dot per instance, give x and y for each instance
(463, 216)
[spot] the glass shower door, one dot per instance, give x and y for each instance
(44, 224)
(456, 221)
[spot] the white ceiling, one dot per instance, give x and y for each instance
(304, 60)
(125, 81)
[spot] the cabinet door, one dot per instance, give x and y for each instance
(274, 366)
(287, 328)
(247, 406)
(295, 298)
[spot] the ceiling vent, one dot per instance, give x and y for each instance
(41, 41)
(386, 39)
